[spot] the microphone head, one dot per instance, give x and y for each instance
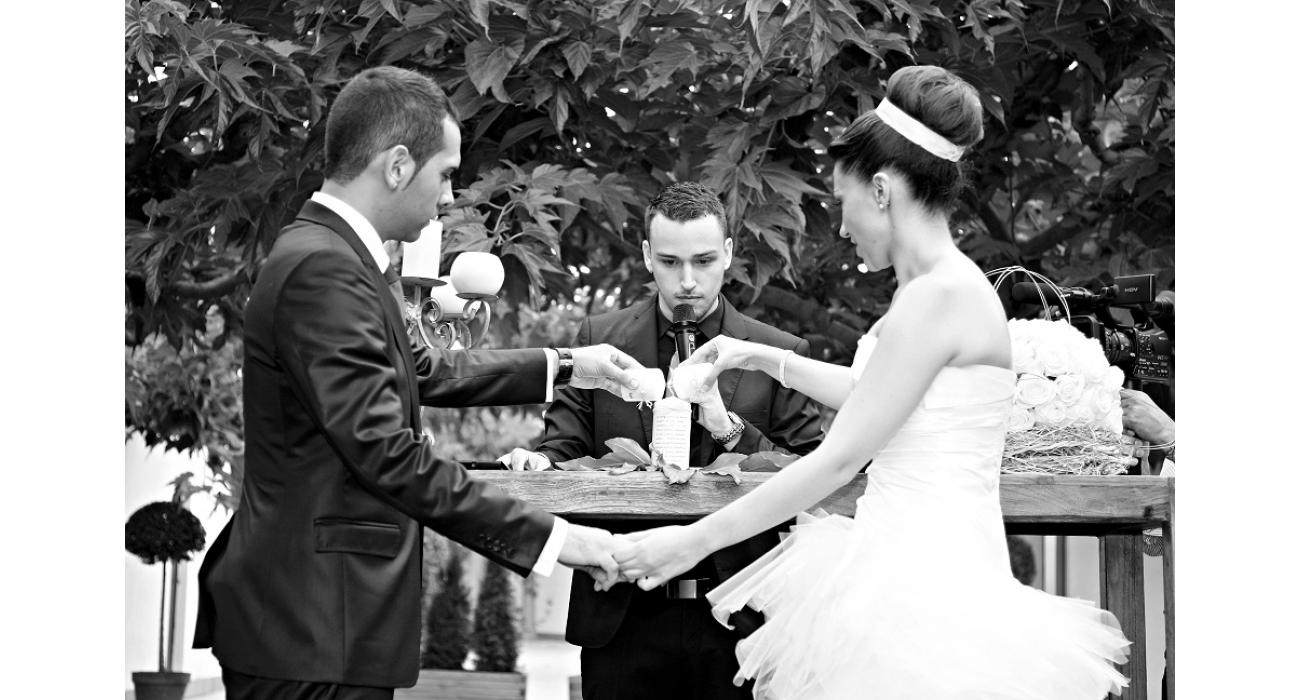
(683, 313)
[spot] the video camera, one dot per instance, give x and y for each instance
(1134, 325)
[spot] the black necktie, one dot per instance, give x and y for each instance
(395, 286)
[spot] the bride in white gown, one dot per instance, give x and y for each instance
(914, 596)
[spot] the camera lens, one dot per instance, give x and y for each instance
(1117, 346)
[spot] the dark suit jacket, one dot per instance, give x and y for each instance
(317, 575)
(580, 421)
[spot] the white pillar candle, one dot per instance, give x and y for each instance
(672, 431)
(420, 259)
(475, 272)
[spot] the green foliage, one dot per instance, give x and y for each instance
(164, 531)
(446, 638)
(576, 113)
(495, 640)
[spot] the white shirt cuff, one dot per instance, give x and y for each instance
(550, 555)
(552, 361)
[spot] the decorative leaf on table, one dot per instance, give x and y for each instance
(624, 468)
(766, 461)
(628, 450)
(677, 475)
(727, 464)
(674, 473)
(588, 463)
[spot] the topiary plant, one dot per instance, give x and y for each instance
(165, 532)
(447, 623)
(496, 635)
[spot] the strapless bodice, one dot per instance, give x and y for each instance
(955, 436)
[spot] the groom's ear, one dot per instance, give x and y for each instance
(397, 167)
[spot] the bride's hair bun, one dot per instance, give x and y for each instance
(940, 100)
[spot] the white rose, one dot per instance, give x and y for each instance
(1114, 378)
(1115, 421)
(1055, 359)
(1094, 361)
(1079, 414)
(1023, 357)
(1022, 418)
(1069, 388)
(1101, 400)
(1051, 413)
(1033, 390)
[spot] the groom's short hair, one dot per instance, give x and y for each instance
(378, 109)
(686, 201)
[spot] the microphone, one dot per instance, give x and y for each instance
(684, 330)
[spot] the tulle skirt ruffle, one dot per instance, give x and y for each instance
(862, 612)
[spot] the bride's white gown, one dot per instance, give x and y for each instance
(914, 597)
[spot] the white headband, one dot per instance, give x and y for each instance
(917, 133)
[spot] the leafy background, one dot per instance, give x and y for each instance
(574, 114)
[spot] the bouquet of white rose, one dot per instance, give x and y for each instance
(1066, 416)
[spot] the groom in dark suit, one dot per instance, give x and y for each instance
(313, 588)
(665, 643)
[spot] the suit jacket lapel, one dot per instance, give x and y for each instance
(734, 325)
(640, 341)
(323, 215)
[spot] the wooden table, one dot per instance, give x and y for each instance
(1115, 509)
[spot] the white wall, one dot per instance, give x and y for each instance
(147, 475)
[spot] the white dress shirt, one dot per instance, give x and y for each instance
(370, 239)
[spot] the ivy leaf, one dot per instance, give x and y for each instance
(628, 450)
(488, 64)
(479, 9)
(770, 461)
(578, 55)
(624, 468)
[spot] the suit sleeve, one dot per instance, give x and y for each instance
(795, 422)
(333, 343)
(569, 430)
(460, 378)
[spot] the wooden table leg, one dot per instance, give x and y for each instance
(1123, 595)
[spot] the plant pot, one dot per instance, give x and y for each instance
(465, 685)
(160, 685)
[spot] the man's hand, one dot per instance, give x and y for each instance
(603, 367)
(1144, 417)
(520, 459)
(591, 549)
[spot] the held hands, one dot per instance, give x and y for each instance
(649, 557)
(652, 557)
(591, 549)
(603, 367)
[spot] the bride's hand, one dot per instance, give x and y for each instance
(655, 556)
(725, 353)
